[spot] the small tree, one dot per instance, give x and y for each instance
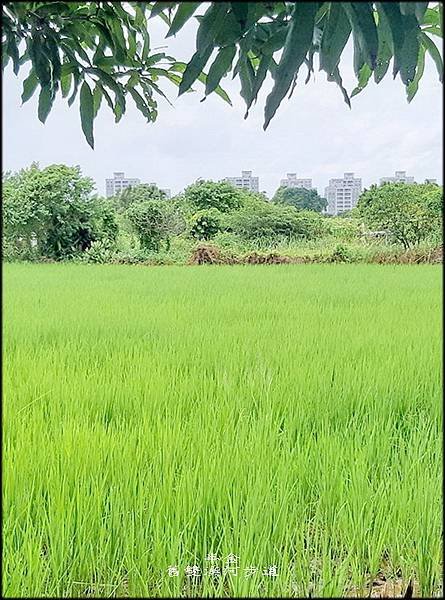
(51, 212)
(155, 221)
(23, 215)
(221, 195)
(300, 198)
(410, 213)
(139, 193)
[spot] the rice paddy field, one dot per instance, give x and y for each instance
(236, 431)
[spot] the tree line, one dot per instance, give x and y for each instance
(53, 213)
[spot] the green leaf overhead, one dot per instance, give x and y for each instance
(385, 45)
(361, 17)
(87, 112)
(45, 103)
(433, 51)
(420, 9)
(414, 85)
(184, 12)
(297, 44)
(193, 69)
(97, 100)
(335, 36)
(365, 74)
(29, 86)
(410, 49)
(210, 26)
(108, 46)
(65, 84)
(220, 66)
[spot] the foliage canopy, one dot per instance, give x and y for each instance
(51, 212)
(269, 221)
(154, 221)
(140, 193)
(408, 212)
(300, 198)
(221, 195)
(102, 50)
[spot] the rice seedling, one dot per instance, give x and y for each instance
(233, 430)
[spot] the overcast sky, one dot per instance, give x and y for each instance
(313, 134)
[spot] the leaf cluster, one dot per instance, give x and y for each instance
(94, 51)
(256, 39)
(221, 195)
(99, 51)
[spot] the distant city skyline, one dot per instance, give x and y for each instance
(338, 187)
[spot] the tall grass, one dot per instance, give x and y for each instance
(290, 415)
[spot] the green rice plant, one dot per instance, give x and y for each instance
(154, 418)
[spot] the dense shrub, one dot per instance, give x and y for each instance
(139, 193)
(99, 252)
(75, 226)
(342, 228)
(342, 254)
(154, 221)
(267, 221)
(409, 213)
(204, 195)
(300, 198)
(205, 224)
(51, 213)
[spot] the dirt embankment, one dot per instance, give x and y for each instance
(206, 254)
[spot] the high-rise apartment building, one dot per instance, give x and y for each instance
(343, 194)
(119, 183)
(291, 181)
(246, 181)
(399, 177)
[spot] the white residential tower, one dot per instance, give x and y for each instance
(343, 194)
(119, 183)
(246, 181)
(399, 177)
(291, 181)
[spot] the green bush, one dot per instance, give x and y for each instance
(154, 221)
(204, 195)
(51, 213)
(342, 228)
(205, 224)
(410, 213)
(269, 221)
(99, 252)
(138, 193)
(342, 254)
(300, 198)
